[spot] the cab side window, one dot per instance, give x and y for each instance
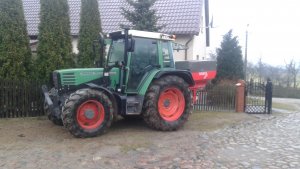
(166, 53)
(143, 59)
(145, 53)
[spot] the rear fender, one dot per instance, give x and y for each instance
(186, 75)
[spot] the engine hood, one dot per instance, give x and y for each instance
(74, 77)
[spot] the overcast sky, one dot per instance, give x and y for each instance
(274, 27)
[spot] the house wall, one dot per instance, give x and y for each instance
(180, 55)
(195, 47)
(199, 48)
(75, 45)
(34, 43)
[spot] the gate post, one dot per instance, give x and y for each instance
(268, 96)
(240, 96)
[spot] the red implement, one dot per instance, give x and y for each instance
(202, 72)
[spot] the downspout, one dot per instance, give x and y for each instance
(186, 45)
(207, 25)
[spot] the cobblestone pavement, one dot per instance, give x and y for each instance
(267, 143)
(270, 141)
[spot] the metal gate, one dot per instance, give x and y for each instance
(258, 98)
(218, 98)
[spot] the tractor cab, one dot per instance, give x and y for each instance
(136, 54)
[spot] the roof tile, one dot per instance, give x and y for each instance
(179, 16)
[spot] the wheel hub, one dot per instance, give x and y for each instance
(167, 103)
(171, 104)
(89, 114)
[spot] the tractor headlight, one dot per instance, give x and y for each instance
(106, 74)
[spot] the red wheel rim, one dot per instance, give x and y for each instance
(171, 104)
(90, 114)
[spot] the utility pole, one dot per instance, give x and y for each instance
(246, 52)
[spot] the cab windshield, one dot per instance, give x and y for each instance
(116, 52)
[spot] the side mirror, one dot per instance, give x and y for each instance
(131, 45)
(119, 63)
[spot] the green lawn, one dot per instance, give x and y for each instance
(209, 121)
(283, 106)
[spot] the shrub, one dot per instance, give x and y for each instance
(54, 50)
(15, 54)
(286, 92)
(229, 58)
(221, 94)
(90, 28)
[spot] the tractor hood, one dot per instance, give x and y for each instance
(73, 78)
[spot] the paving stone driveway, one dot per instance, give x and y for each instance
(273, 143)
(270, 141)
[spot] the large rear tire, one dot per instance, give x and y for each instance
(87, 113)
(167, 104)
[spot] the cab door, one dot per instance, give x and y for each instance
(142, 61)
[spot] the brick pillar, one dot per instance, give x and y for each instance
(240, 96)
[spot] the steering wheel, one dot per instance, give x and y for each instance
(137, 71)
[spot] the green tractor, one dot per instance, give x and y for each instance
(139, 78)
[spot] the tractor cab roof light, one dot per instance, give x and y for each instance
(173, 37)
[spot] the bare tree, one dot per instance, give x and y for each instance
(285, 76)
(260, 69)
(212, 56)
(292, 73)
(251, 71)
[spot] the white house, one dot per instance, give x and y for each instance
(183, 18)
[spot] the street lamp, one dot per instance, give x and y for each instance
(246, 52)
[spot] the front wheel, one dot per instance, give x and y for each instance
(87, 113)
(167, 104)
(51, 117)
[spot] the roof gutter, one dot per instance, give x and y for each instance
(186, 45)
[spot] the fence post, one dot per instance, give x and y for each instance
(268, 96)
(240, 96)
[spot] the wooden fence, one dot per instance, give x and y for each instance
(25, 99)
(19, 98)
(217, 98)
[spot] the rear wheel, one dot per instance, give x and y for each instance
(167, 103)
(87, 113)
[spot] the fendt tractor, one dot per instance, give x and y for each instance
(140, 77)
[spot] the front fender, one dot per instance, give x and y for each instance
(108, 93)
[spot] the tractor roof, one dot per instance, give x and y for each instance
(144, 34)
